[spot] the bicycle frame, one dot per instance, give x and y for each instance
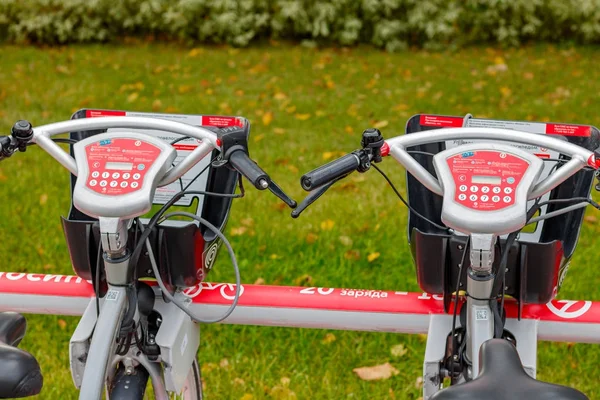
(326, 308)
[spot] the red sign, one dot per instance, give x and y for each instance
(568, 130)
(440, 121)
(103, 113)
(215, 120)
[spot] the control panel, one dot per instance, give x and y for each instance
(486, 186)
(118, 173)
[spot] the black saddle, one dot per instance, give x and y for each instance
(502, 377)
(20, 374)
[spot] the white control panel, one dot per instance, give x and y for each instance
(118, 173)
(486, 187)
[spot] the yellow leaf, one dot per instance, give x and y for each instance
(311, 238)
(239, 381)
(398, 350)
(61, 69)
(505, 91)
(327, 225)
(239, 231)
(132, 97)
(528, 75)
(62, 324)
(330, 84)
(499, 60)
(320, 113)
(258, 138)
(185, 89)
(267, 118)
(247, 396)
(279, 131)
(239, 93)
(349, 129)
(329, 338)
(327, 155)
(303, 280)
(156, 105)
(259, 281)
(302, 117)
(373, 256)
(224, 363)
(290, 109)
(274, 257)
(381, 124)
(43, 199)
(195, 52)
(280, 96)
(377, 372)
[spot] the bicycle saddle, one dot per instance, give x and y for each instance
(20, 374)
(502, 377)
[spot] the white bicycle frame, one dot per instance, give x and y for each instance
(329, 308)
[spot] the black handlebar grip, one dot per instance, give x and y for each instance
(245, 166)
(328, 172)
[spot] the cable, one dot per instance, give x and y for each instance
(97, 278)
(166, 292)
(406, 203)
(460, 269)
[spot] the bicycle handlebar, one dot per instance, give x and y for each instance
(251, 171)
(330, 172)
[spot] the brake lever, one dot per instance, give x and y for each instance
(277, 191)
(313, 196)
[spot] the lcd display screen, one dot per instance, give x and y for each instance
(121, 166)
(489, 180)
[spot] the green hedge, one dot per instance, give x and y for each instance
(389, 24)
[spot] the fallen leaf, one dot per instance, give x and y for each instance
(274, 256)
(247, 396)
(381, 124)
(248, 221)
(132, 97)
(349, 129)
(419, 382)
(352, 255)
(61, 69)
(398, 350)
(185, 89)
(590, 218)
(373, 256)
(303, 280)
(528, 75)
(195, 52)
(208, 367)
(505, 91)
(290, 109)
(327, 155)
(258, 138)
(327, 225)
(224, 363)
(43, 199)
(280, 96)
(62, 324)
(279, 131)
(377, 372)
(239, 231)
(329, 338)
(259, 281)
(311, 238)
(345, 240)
(302, 117)
(239, 381)
(156, 105)
(267, 118)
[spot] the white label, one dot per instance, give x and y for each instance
(481, 315)
(111, 295)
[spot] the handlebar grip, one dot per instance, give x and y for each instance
(245, 166)
(328, 172)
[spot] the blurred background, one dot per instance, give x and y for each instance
(310, 76)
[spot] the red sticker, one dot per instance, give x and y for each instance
(185, 147)
(103, 113)
(215, 120)
(568, 130)
(436, 120)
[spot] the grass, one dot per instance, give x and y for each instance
(306, 106)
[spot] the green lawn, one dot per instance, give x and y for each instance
(303, 105)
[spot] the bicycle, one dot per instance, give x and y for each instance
(134, 330)
(486, 193)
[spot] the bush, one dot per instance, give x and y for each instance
(389, 24)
